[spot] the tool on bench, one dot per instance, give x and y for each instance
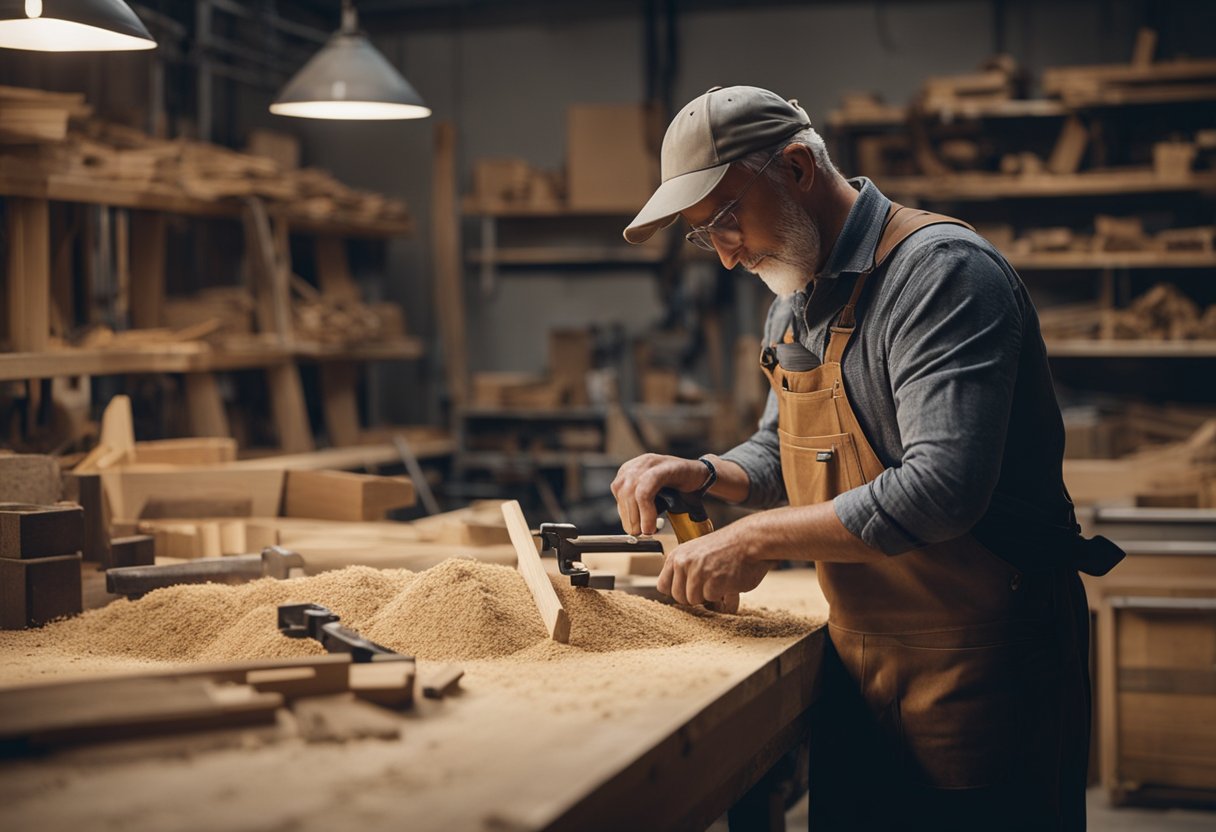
(564, 542)
(274, 562)
(319, 623)
(689, 520)
(684, 511)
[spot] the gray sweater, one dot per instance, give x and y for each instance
(947, 373)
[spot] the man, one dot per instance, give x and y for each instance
(913, 429)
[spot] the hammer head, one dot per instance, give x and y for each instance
(280, 563)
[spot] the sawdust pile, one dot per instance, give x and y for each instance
(457, 610)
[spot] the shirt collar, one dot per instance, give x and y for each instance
(854, 248)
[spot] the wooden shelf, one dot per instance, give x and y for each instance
(189, 357)
(962, 110)
(472, 207)
(65, 188)
(565, 414)
(1114, 260)
(623, 254)
(995, 186)
(1080, 348)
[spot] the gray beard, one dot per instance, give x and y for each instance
(790, 268)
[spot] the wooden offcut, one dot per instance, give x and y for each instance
(33, 531)
(29, 478)
(340, 495)
(557, 620)
(33, 592)
(133, 550)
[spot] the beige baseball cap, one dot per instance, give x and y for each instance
(711, 131)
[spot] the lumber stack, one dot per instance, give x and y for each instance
(51, 134)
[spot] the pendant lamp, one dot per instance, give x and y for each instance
(71, 26)
(349, 79)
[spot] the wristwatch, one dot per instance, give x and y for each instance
(710, 479)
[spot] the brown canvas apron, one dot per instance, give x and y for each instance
(968, 669)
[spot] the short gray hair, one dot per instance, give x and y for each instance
(808, 137)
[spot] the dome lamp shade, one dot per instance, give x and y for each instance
(349, 79)
(71, 26)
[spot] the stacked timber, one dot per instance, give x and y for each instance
(51, 134)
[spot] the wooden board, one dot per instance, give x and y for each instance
(205, 450)
(290, 411)
(130, 487)
(557, 621)
(51, 715)
(340, 495)
(449, 273)
(29, 274)
(207, 414)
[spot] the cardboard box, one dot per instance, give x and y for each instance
(609, 165)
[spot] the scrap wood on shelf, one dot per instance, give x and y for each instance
(49, 134)
(1163, 313)
(1177, 473)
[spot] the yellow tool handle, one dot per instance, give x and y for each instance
(687, 529)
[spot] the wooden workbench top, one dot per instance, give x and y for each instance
(651, 738)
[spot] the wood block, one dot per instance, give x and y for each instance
(33, 592)
(438, 682)
(388, 684)
(29, 478)
(29, 274)
(570, 359)
(1069, 148)
(136, 550)
(339, 495)
(86, 490)
(29, 531)
(130, 488)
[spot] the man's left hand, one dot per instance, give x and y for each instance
(715, 567)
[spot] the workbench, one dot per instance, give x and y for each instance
(661, 741)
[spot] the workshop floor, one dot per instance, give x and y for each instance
(1102, 818)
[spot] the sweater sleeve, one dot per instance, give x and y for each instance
(952, 348)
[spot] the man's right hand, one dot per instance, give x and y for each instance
(639, 480)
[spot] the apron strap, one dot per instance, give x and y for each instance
(901, 223)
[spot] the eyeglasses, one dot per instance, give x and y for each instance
(724, 224)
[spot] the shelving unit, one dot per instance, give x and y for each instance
(1100, 116)
(30, 285)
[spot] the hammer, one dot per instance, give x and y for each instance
(274, 562)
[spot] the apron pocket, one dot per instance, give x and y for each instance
(818, 468)
(967, 716)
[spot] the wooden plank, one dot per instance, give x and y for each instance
(147, 258)
(333, 268)
(1069, 148)
(290, 411)
(29, 274)
(130, 488)
(86, 489)
(98, 710)
(340, 495)
(339, 402)
(208, 416)
(449, 274)
(557, 621)
(189, 451)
